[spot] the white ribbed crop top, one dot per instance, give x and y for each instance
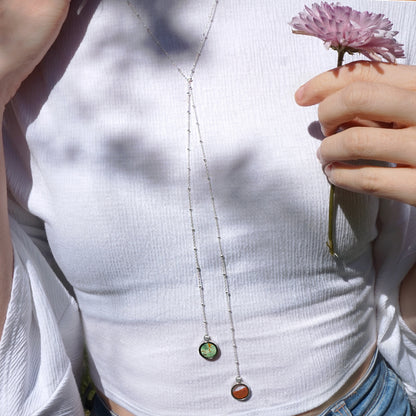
(104, 117)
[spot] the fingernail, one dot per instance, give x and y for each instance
(323, 130)
(300, 93)
(318, 154)
(328, 169)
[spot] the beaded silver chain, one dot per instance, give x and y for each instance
(208, 349)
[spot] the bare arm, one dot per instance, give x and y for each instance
(27, 30)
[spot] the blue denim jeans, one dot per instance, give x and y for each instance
(380, 393)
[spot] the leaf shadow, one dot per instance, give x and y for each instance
(158, 16)
(35, 90)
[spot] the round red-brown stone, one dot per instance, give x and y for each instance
(240, 392)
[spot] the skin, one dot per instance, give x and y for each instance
(379, 128)
(368, 111)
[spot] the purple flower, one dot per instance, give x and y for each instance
(348, 30)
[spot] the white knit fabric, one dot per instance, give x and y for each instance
(41, 346)
(96, 149)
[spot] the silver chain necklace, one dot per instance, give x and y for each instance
(208, 349)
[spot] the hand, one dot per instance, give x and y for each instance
(27, 30)
(367, 110)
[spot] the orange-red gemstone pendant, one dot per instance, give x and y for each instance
(240, 392)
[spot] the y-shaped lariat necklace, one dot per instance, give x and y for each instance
(208, 349)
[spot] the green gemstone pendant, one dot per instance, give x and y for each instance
(209, 351)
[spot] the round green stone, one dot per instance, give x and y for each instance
(208, 350)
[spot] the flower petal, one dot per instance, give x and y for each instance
(341, 27)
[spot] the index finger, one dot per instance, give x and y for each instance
(325, 84)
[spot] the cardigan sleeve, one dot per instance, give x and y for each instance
(395, 254)
(41, 346)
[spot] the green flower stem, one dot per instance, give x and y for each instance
(341, 53)
(330, 242)
(331, 222)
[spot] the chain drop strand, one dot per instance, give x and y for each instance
(217, 225)
(192, 108)
(202, 43)
(191, 216)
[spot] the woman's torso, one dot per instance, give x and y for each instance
(105, 119)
